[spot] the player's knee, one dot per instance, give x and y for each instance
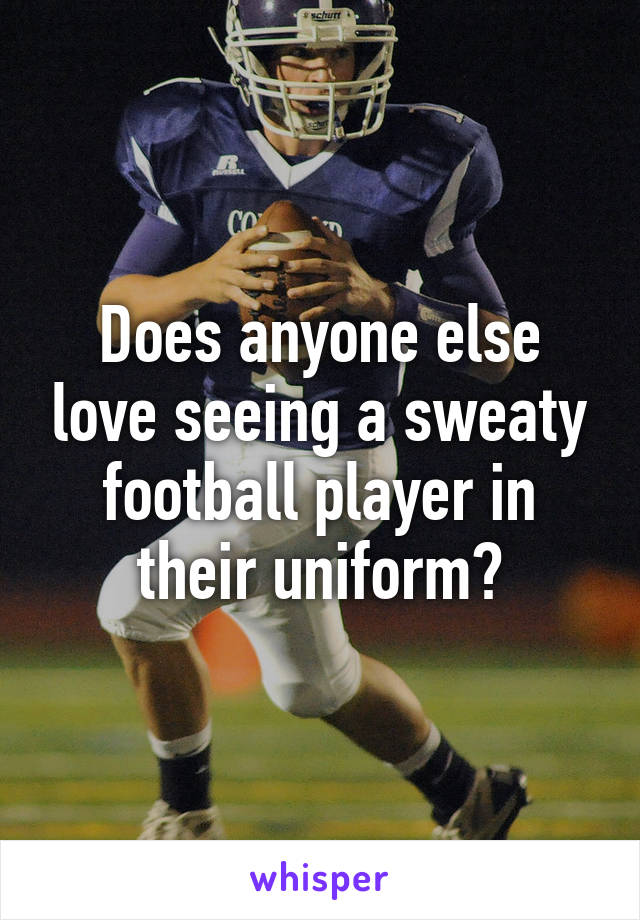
(319, 695)
(122, 611)
(300, 699)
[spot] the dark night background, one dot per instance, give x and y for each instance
(549, 81)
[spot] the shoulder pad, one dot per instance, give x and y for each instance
(428, 107)
(170, 82)
(172, 110)
(449, 126)
(442, 115)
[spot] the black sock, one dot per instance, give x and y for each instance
(445, 780)
(184, 781)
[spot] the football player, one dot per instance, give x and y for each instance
(397, 191)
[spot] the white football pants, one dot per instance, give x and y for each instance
(308, 665)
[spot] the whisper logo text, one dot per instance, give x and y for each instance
(334, 882)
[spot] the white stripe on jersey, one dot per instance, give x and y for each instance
(436, 238)
(144, 166)
(286, 174)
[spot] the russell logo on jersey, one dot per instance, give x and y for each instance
(227, 166)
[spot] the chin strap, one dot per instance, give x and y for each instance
(338, 127)
(299, 123)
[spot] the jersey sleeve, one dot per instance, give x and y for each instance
(454, 280)
(474, 187)
(134, 160)
(462, 276)
(155, 247)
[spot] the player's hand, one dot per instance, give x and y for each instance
(348, 287)
(225, 276)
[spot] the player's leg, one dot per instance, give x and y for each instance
(310, 669)
(170, 678)
(171, 682)
(153, 639)
(385, 718)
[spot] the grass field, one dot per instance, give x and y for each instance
(76, 765)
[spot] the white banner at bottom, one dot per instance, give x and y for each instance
(242, 880)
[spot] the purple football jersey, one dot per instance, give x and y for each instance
(403, 197)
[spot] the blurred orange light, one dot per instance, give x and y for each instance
(233, 666)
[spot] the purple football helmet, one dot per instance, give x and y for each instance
(255, 30)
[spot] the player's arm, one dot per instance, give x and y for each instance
(454, 280)
(454, 274)
(155, 276)
(143, 282)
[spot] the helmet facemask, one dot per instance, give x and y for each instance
(249, 50)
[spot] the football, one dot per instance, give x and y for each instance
(288, 226)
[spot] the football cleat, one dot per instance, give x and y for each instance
(165, 823)
(493, 804)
